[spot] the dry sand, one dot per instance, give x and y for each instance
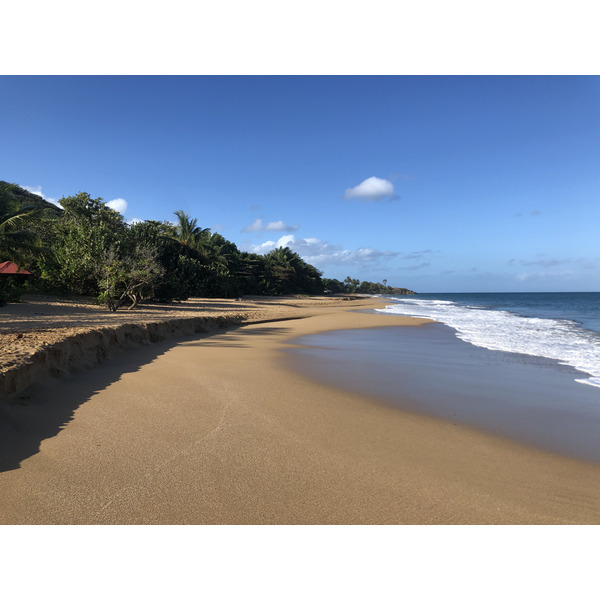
(219, 429)
(46, 335)
(41, 321)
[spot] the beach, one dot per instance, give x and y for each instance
(221, 427)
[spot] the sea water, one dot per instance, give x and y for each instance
(512, 364)
(564, 327)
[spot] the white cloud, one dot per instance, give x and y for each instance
(372, 189)
(259, 225)
(263, 248)
(256, 226)
(280, 226)
(319, 253)
(38, 191)
(118, 204)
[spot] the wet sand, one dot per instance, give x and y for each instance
(220, 430)
(532, 400)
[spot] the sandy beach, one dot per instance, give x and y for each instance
(219, 428)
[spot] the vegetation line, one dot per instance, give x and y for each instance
(87, 248)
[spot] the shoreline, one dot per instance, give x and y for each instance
(430, 371)
(220, 429)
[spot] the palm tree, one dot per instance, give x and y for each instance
(280, 270)
(220, 251)
(16, 242)
(189, 235)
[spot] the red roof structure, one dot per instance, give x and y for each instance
(9, 268)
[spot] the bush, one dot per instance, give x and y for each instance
(11, 290)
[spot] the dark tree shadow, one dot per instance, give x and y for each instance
(234, 337)
(44, 409)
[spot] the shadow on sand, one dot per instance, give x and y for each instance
(234, 338)
(44, 409)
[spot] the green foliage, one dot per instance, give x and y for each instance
(11, 289)
(129, 277)
(333, 286)
(18, 197)
(82, 237)
(178, 271)
(19, 241)
(354, 286)
(351, 285)
(285, 272)
(87, 248)
(190, 236)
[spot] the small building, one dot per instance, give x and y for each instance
(10, 269)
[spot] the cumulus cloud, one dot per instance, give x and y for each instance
(118, 204)
(372, 189)
(319, 253)
(260, 225)
(38, 191)
(263, 248)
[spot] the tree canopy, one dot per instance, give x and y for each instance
(86, 248)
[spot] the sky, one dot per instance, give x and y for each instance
(434, 183)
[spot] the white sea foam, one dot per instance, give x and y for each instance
(561, 340)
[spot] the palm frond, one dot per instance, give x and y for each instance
(16, 218)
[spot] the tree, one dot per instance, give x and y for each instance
(221, 260)
(18, 243)
(92, 251)
(287, 273)
(249, 271)
(131, 277)
(351, 285)
(279, 273)
(333, 286)
(176, 282)
(23, 232)
(368, 287)
(83, 235)
(189, 235)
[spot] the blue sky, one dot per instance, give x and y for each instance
(458, 183)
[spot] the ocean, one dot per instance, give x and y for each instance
(560, 326)
(522, 365)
